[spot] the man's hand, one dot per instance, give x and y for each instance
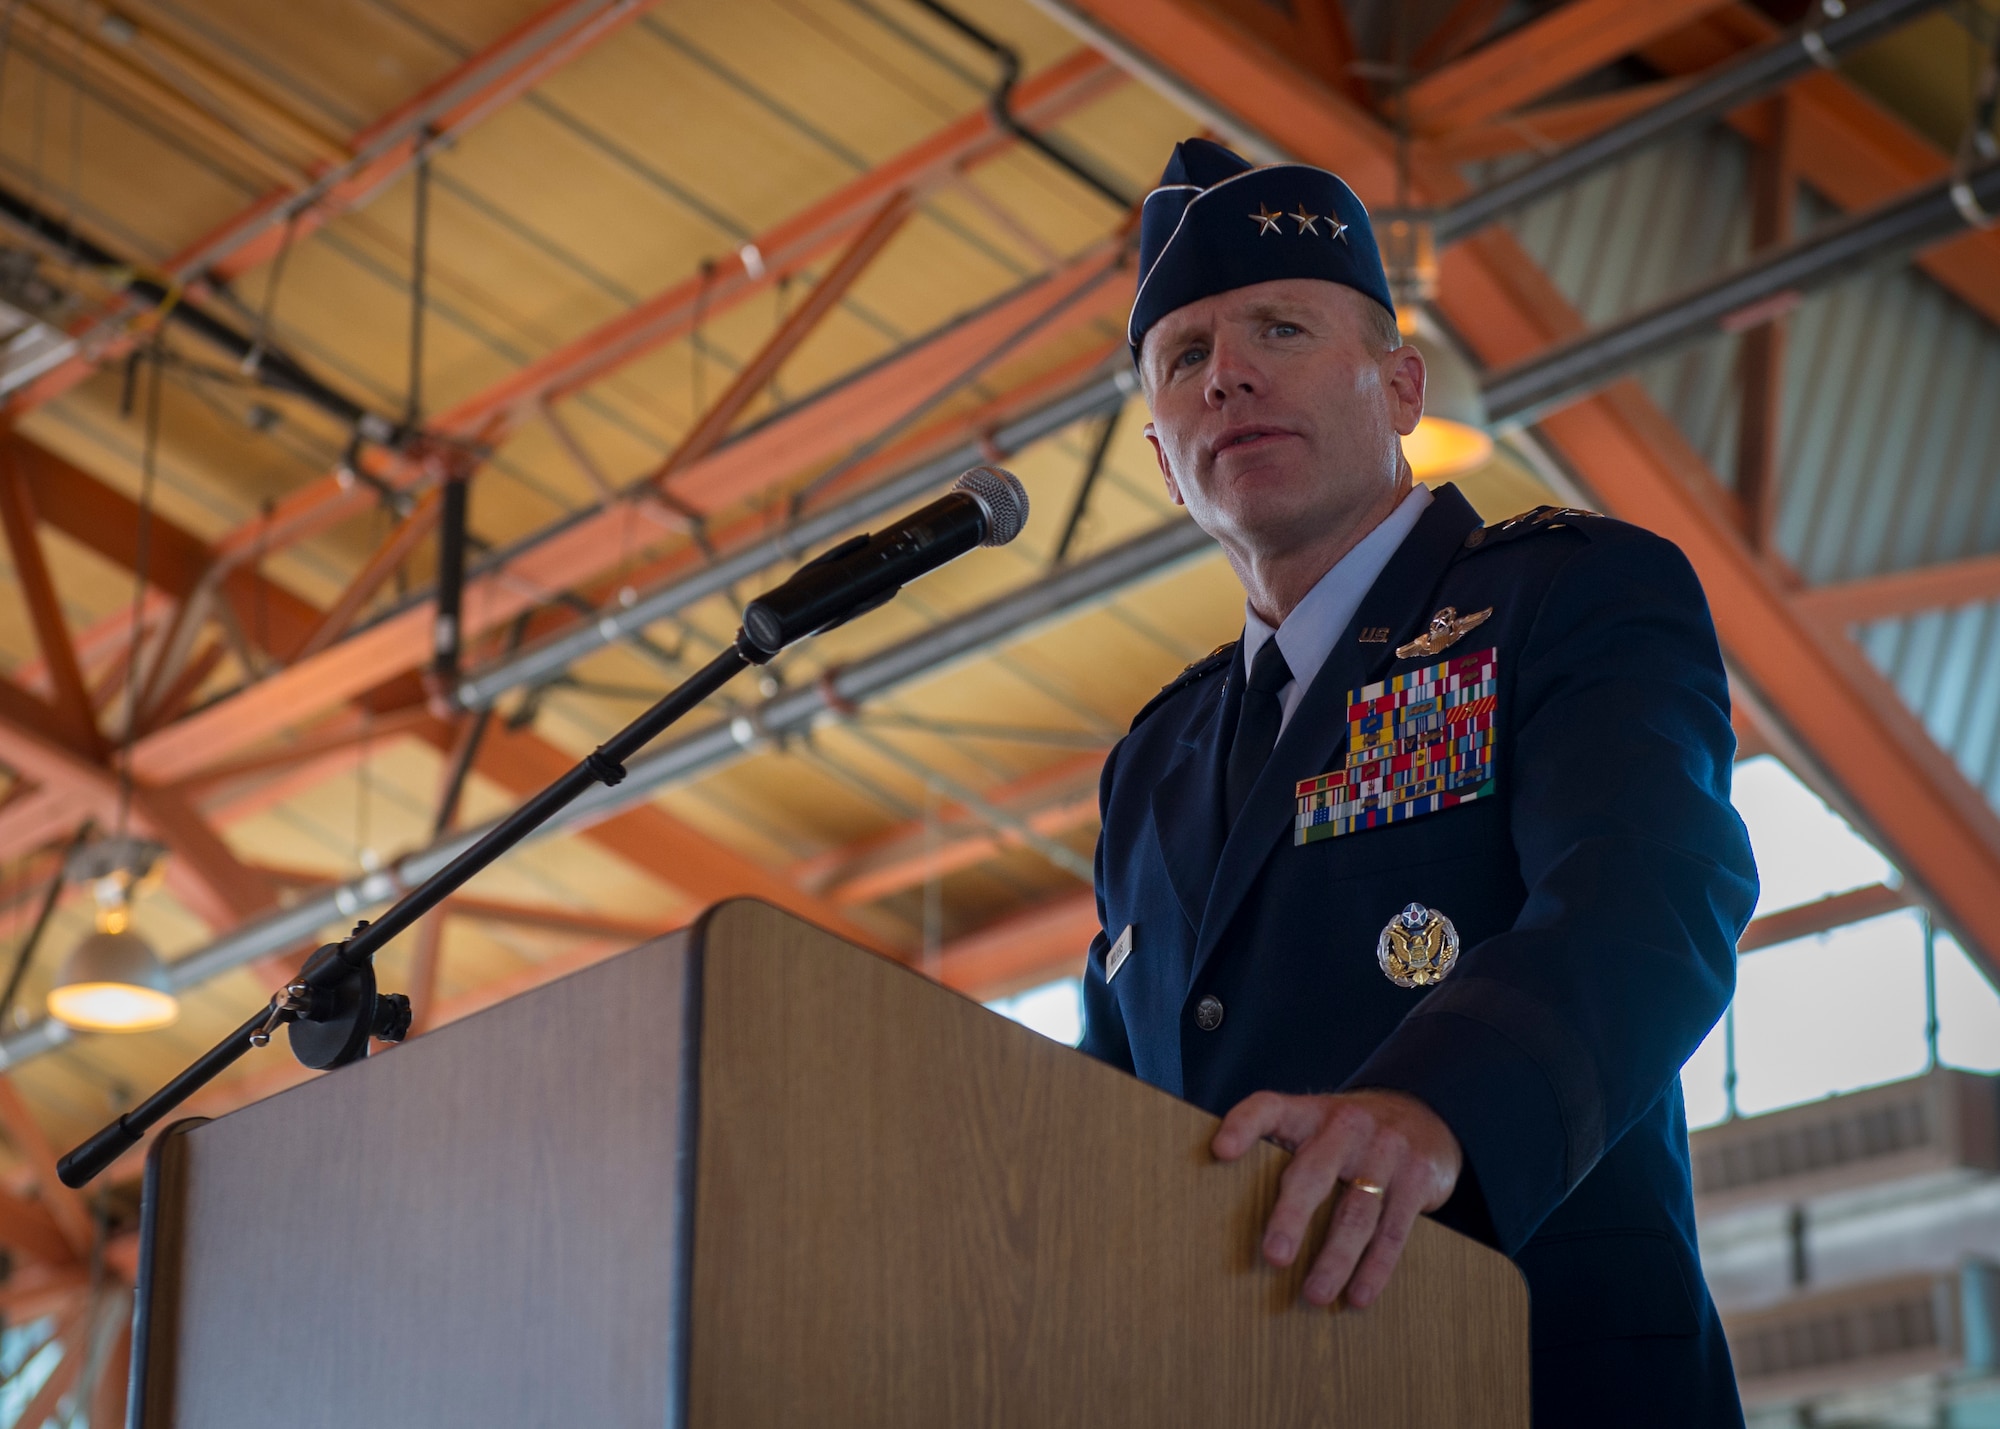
(1388, 1141)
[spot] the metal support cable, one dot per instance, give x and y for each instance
(1830, 29)
(420, 244)
(1092, 469)
(43, 914)
(1012, 616)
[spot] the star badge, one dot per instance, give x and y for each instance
(1307, 222)
(1336, 228)
(1446, 628)
(1267, 221)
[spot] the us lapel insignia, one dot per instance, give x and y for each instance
(1447, 626)
(1114, 959)
(1416, 743)
(1418, 947)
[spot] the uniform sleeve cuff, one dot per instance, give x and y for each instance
(1499, 1105)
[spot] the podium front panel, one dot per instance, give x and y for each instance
(477, 1229)
(752, 1176)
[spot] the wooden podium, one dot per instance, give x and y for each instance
(750, 1175)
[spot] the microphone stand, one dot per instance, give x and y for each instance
(332, 1007)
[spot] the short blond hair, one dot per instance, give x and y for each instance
(1381, 325)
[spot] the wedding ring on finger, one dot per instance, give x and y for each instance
(1366, 1188)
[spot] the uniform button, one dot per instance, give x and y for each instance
(1208, 1013)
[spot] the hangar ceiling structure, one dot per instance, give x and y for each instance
(700, 289)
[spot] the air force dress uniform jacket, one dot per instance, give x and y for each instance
(1598, 885)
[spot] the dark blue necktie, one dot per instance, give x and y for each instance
(1256, 727)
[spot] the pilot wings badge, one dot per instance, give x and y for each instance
(1418, 947)
(1447, 626)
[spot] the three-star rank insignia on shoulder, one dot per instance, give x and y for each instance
(1446, 628)
(1200, 669)
(1416, 743)
(1542, 518)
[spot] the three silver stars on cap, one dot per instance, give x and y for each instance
(1267, 222)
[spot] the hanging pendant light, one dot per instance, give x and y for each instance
(1452, 438)
(113, 981)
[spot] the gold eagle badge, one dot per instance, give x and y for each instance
(1418, 947)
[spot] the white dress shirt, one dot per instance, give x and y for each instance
(1308, 633)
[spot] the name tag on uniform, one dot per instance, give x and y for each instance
(1120, 950)
(1416, 743)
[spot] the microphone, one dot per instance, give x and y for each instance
(985, 507)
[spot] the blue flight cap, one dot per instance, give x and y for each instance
(1218, 222)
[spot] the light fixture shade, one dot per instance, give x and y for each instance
(1452, 437)
(113, 982)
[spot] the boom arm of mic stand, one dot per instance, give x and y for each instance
(605, 764)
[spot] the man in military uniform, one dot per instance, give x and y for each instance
(1433, 876)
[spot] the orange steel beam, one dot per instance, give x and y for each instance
(1822, 915)
(37, 1290)
(426, 958)
(380, 566)
(1541, 56)
(1314, 32)
(1774, 195)
(1938, 828)
(98, 645)
(1040, 100)
(1050, 801)
(548, 917)
(1932, 822)
(1044, 943)
(66, 1209)
(30, 1232)
(105, 520)
(1940, 587)
(651, 839)
(781, 251)
(816, 431)
(1457, 32)
(31, 568)
(799, 324)
(204, 874)
(347, 730)
(580, 922)
(1326, 42)
(439, 113)
(1550, 127)
(946, 434)
(173, 701)
(232, 791)
(1846, 146)
(38, 816)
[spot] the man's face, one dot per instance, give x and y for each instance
(1277, 410)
